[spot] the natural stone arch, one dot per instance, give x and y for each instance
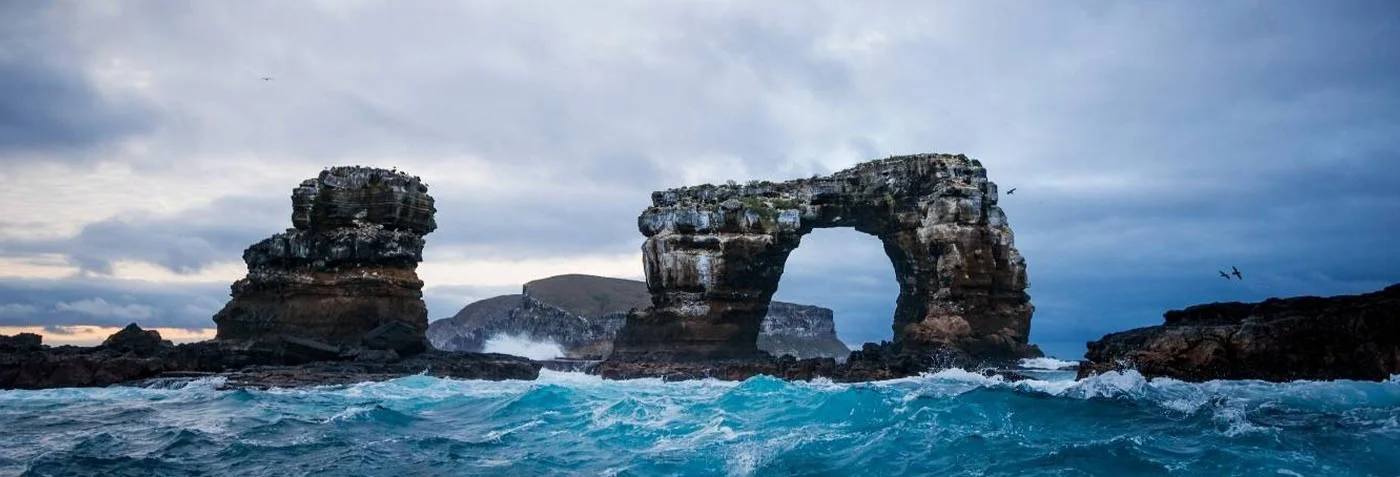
(714, 254)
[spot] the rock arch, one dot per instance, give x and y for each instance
(713, 256)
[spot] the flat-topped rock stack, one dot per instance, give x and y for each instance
(345, 275)
(714, 254)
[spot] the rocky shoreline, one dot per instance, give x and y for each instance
(133, 355)
(1280, 339)
(138, 357)
(1353, 337)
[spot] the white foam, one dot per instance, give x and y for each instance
(1048, 363)
(523, 346)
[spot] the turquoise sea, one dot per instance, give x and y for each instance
(952, 422)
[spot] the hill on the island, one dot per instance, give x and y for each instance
(582, 314)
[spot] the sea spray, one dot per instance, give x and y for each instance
(1048, 363)
(518, 345)
(948, 422)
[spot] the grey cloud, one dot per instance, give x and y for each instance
(535, 227)
(47, 104)
(59, 330)
(106, 302)
(185, 242)
(1258, 134)
(101, 309)
(16, 310)
(684, 93)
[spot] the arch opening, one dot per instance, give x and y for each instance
(849, 273)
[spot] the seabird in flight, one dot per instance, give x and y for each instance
(1224, 275)
(1012, 191)
(267, 78)
(1236, 273)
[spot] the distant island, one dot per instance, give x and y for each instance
(582, 314)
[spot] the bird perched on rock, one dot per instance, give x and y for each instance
(1236, 273)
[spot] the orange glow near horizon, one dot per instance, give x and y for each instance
(93, 335)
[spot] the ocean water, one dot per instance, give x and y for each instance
(947, 423)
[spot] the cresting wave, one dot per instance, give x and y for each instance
(952, 421)
(1048, 363)
(523, 346)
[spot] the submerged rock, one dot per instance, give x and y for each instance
(714, 255)
(345, 271)
(1340, 337)
(582, 314)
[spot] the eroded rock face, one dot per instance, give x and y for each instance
(346, 268)
(1340, 337)
(583, 313)
(801, 331)
(714, 254)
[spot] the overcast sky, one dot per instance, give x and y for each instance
(1151, 143)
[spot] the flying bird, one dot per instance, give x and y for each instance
(1236, 273)
(1224, 275)
(1012, 191)
(267, 78)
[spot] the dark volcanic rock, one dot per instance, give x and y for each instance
(136, 340)
(130, 356)
(461, 331)
(131, 353)
(441, 364)
(582, 313)
(1340, 337)
(345, 270)
(714, 254)
(874, 362)
(21, 342)
(396, 336)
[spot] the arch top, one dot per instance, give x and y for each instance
(874, 196)
(714, 253)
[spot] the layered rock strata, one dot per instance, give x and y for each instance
(1340, 337)
(713, 256)
(345, 273)
(801, 331)
(583, 313)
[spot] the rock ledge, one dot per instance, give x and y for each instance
(1279, 339)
